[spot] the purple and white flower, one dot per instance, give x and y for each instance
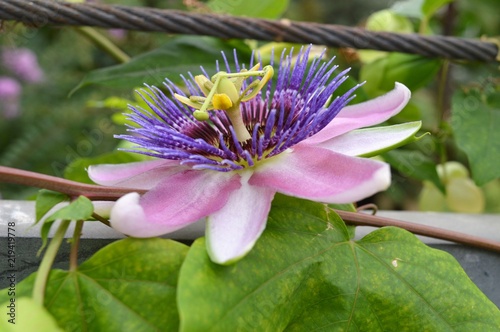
(299, 138)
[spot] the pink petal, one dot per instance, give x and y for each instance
(372, 141)
(233, 230)
(181, 199)
(322, 175)
(364, 114)
(138, 175)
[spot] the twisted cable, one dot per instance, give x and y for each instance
(38, 13)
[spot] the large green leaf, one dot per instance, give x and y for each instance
(305, 274)
(260, 9)
(130, 285)
(414, 164)
(179, 56)
(414, 71)
(475, 119)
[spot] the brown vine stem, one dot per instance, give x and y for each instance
(94, 192)
(70, 188)
(361, 219)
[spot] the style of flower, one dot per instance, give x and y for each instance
(255, 139)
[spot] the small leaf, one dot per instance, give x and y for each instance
(475, 119)
(46, 200)
(129, 285)
(179, 56)
(260, 9)
(306, 274)
(414, 164)
(79, 209)
(39, 319)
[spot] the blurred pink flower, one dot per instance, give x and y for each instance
(10, 90)
(118, 34)
(23, 63)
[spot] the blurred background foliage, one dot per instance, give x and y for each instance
(67, 120)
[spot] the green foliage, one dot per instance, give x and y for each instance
(475, 122)
(412, 70)
(306, 273)
(422, 9)
(179, 55)
(260, 9)
(129, 285)
(430, 7)
(46, 200)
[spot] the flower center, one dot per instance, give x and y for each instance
(223, 92)
(232, 123)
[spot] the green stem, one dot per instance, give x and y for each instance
(73, 255)
(104, 43)
(47, 260)
(423, 25)
(443, 82)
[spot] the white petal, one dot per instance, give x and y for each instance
(372, 141)
(233, 230)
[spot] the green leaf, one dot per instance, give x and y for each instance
(77, 170)
(421, 9)
(39, 319)
(129, 285)
(80, 209)
(306, 274)
(46, 200)
(179, 56)
(475, 119)
(414, 164)
(414, 71)
(260, 9)
(430, 7)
